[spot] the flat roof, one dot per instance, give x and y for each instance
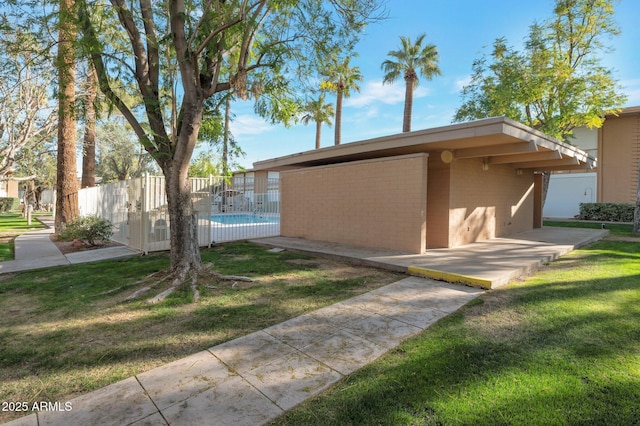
(498, 140)
(635, 110)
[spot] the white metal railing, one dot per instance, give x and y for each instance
(242, 209)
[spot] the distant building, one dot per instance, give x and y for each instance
(9, 188)
(619, 155)
(617, 147)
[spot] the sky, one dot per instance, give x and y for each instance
(462, 30)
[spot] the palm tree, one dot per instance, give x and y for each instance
(319, 112)
(410, 59)
(343, 79)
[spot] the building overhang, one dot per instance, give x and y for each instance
(497, 140)
(625, 112)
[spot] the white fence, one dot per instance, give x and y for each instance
(245, 208)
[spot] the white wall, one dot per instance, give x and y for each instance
(567, 191)
(586, 139)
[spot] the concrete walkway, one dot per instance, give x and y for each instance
(254, 379)
(35, 250)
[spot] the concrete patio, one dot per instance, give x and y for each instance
(487, 264)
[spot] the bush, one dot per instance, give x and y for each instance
(607, 212)
(92, 230)
(8, 203)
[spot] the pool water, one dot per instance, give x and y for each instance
(242, 219)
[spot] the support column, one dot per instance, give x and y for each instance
(537, 200)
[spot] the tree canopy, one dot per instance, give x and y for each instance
(342, 78)
(410, 60)
(557, 82)
(318, 111)
(28, 115)
(179, 54)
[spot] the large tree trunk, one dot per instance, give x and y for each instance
(408, 103)
(185, 250)
(89, 144)
(67, 184)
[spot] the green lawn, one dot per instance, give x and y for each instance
(615, 229)
(13, 224)
(66, 331)
(561, 348)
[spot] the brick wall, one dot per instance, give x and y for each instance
(373, 203)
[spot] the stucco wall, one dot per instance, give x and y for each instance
(618, 157)
(372, 203)
(488, 204)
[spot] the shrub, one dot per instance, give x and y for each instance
(608, 212)
(92, 230)
(8, 203)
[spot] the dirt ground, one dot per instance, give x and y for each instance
(75, 246)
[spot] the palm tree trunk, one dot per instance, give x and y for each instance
(67, 183)
(338, 134)
(408, 104)
(318, 133)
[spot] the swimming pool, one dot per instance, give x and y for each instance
(243, 219)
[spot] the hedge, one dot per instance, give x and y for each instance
(608, 212)
(8, 203)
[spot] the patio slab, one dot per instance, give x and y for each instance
(486, 264)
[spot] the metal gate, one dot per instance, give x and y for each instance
(244, 208)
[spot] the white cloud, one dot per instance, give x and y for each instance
(389, 94)
(461, 83)
(249, 125)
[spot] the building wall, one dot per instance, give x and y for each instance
(566, 193)
(438, 189)
(372, 203)
(9, 188)
(586, 139)
(618, 157)
(488, 204)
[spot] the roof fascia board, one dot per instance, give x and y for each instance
(523, 158)
(496, 150)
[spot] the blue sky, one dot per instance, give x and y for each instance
(462, 30)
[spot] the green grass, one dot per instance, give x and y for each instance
(66, 331)
(6, 249)
(615, 229)
(561, 348)
(13, 224)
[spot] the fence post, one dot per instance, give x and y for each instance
(209, 209)
(144, 214)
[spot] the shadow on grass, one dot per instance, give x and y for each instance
(62, 336)
(560, 352)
